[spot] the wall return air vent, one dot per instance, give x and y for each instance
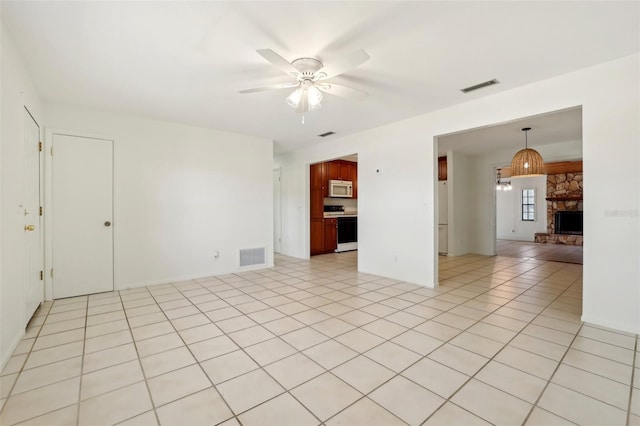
(253, 256)
(479, 86)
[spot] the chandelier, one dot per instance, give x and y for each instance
(502, 184)
(527, 161)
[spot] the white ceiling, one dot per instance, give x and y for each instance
(186, 61)
(550, 128)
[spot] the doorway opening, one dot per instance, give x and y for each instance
(333, 205)
(487, 222)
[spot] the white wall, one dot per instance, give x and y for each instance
(181, 193)
(401, 244)
(509, 223)
(17, 91)
(461, 209)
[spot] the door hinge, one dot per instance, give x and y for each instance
(39, 146)
(51, 273)
(52, 151)
(41, 275)
(41, 210)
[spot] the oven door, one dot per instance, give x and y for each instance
(347, 233)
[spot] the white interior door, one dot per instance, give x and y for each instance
(82, 231)
(277, 210)
(34, 286)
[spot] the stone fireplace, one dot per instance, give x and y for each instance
(564, 194)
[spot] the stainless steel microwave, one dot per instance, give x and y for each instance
(341, 188)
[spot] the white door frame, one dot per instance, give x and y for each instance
(36, 214)
(48, 202)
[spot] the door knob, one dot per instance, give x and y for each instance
(29, 228)
(107, 223)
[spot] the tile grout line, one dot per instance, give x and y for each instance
(84, 342)
(555, 370)
(139, 359)
(633, 372)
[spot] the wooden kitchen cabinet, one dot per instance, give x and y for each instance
(340, 170)
(354, 179)
(330, 235)
(318, 176)
(317, 237)
(324, 236)
(345, 170)
(316, 203)
(333, 168)
(442, 168)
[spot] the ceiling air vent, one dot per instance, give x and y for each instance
(324, 135)
(479, 86)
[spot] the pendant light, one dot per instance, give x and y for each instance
(527, 161)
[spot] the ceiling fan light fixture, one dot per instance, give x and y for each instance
(293, 100)
(305, 98)
(307, 72)
(527, 161)
(314, 96)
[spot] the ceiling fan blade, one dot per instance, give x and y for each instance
(271, 87)
(278, 61)
(345, 64)
(342, 91)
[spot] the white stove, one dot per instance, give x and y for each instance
(347, 226)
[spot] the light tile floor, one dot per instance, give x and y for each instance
(539, 251)
(315, 342)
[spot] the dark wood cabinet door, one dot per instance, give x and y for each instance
(354, 179)
(330, 235)
(333, 172)
(317, 176)
(345, 170)
(317, 236)
(442, 168)
(316, 203)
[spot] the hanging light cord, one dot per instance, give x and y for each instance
(526, 137)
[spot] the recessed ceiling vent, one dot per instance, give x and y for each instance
(479, 86)
(324, 135)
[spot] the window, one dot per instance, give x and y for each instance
(529, 204)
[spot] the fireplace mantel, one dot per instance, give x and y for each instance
(557, 198)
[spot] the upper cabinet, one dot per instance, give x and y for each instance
(318, 176)
(442, 168)
(340, 170)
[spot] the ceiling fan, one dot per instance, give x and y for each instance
(311, 77)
